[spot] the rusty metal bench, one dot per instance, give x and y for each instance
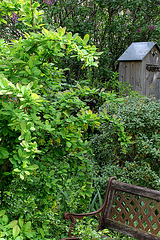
(128, 209)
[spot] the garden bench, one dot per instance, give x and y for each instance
(128, 209)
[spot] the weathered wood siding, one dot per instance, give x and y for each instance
(152, 79)
(131, 72)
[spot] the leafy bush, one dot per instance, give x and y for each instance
(141, 122)
(38, 57)
(46, 121)
(136, 173)
(55, 180)
(49, 152)
(85, 229)
(17, 229)
(112, 26)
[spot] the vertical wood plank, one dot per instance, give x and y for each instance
(138, 76)
(133, 75)
(122, 72)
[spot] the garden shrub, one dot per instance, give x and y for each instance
(18, 229)
(46, 121)
(141, 122)
(44, 151)
(48, 175)
(86, 230)
(38, 56)
(136, 173)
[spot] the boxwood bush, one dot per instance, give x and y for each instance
(141, 122)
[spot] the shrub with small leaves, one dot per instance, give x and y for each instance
(141, 122)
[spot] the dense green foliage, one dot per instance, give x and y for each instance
(112, 26)
(141, 121)
(61, 137)
(45, 131)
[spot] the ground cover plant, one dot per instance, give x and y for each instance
(61, 137)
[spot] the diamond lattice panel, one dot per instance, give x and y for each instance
(136, 211)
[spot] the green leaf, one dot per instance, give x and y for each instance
(58, 115)
(2, 20)
(62, 46)
(69, 36)
(24, 144)
(21, 222)
(23, 90)
(3, 82)
(23, 126)
(13, 161)
(27, 136)
(5, 131)
(24, 164)
(61, 31)
(86, 39)
(32, 167)
(27, 226)
(16, 170)
(12, 224)
(51, 173)
(65, 195)
(15, 231)
(35, 5)
(36, 71)
(45, 31)
(19, 238)
(18, 86)
(5, 219)
(60, 54)
(20, 153)
(3, 153)
(31, 63)
(2, 212)
(42, 232)
(35, 96)
(6, 106)
(18, 61)
(21, 176)
(68, 144)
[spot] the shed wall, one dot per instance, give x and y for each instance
(131, 72)
(152, 79)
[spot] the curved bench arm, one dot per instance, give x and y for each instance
(74, 216)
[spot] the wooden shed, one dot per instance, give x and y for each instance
(139, 65)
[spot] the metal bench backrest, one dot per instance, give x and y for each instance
(132, 210)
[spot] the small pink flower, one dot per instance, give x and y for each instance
(151, 27)
(139, 30)
(128, 11)
(14, 17)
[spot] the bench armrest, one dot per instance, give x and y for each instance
(74, 216)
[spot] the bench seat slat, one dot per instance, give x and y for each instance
(130, 231)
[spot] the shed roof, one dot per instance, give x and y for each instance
(137, 51)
